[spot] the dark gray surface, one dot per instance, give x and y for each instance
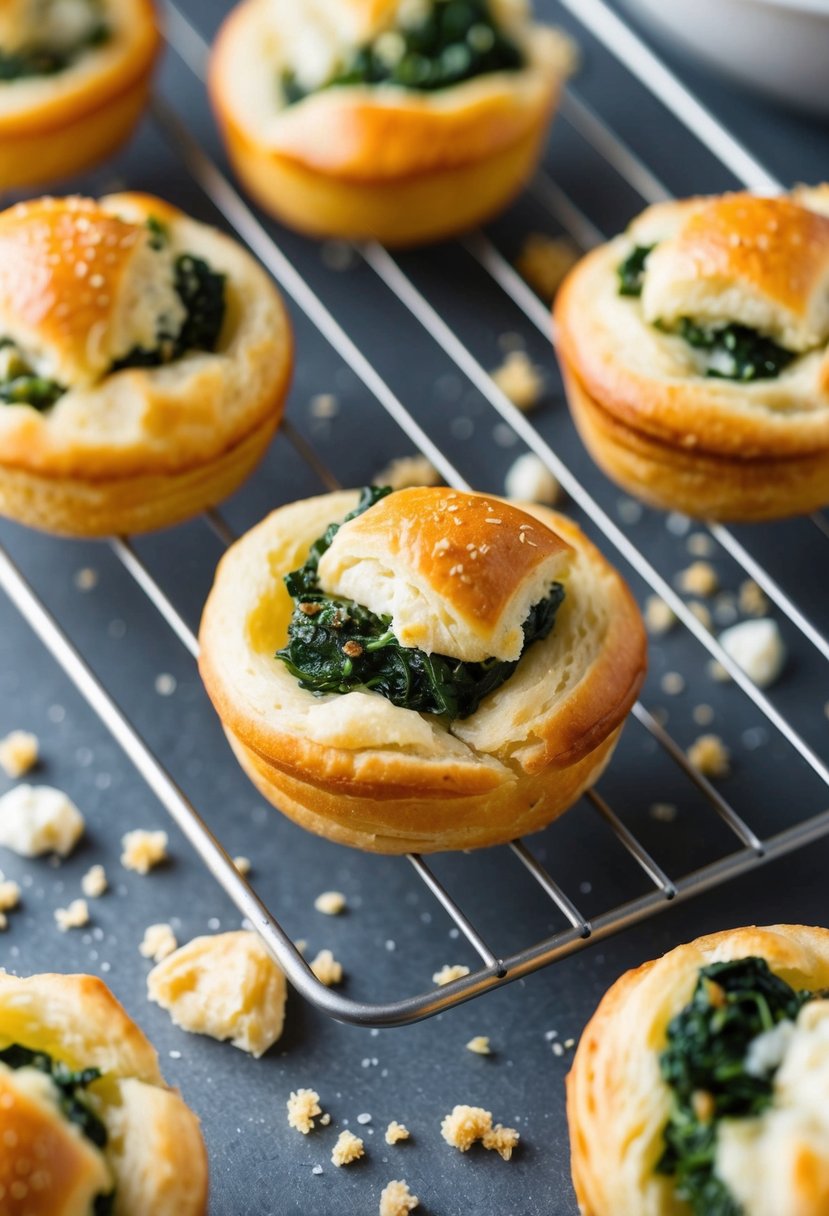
(394, 936)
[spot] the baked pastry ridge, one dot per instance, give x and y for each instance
(357, 119)
(699, 1086)
(380, 722)
(696, 353)
(87, 1126)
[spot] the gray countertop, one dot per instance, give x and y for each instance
(394, 936)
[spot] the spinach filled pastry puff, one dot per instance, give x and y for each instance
(695, 350)
(701, 1085)
(87, 1125)
(402, 120)
(74, 78)
(420, 670)
(144, 361)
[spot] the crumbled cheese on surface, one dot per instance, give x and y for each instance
(700, 544)
(397, 1200)
(86, 579)
(466, 1125)
(503, 1140)
(544, 261)
(347, 1149)
(520, 380)
(73, 917)
(325, 1119)
(243, 865)
(758, 648)
(9, 896)
(700, 578)
(408, 471)
(159, 942)
(672, 683)
(717, 672)
(331, 903)
(39, 819)
(659, 618)
(143, 851)
(395, 1132)
(326, 968)
(18, 753)
(94, 882)
(479, 1045)
(701, 612)
(324, 406)
(529, 480)
(448, 974)
(709, 756)
(703, 715)
(752, 599)
(303, 1108)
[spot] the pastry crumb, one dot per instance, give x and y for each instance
(700, 544)
(757, 647)
(448, 974)
(503, 1140)
(18, 753)
(73, 917)
(325, 1119)
(710, 756)
(544, 261)
(717, 672)
(407, 472)
(243, 865)
(395, 1132)
(520, 380)
(703, 715)
(159, 942)
(330, 903)
(86, 579)
(38, 819)
(479, 1045)
(397, 1200)
(326, 968)
(324, 406)
(303, 1109)
(702, 613)
(700, 578)
(529, 480)
(347, 1149)
(663, 812)
(143, 851)
(672, 683)
(94, 882)
(9, 896)
(468, 1124)
(751, 599)
(659, 617)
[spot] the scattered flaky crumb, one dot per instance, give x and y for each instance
(9, 896)
(709, 756)
(529, 480)
(397, 1200)
(331, 903)
(408, 471)
(700, 544)
(701, 612)
(700, 578)
(659, 617)
(303, 1109)
(663, 812)
(86, 579)
(448, 974)
(479, 1045)
(672, 683)
(94, 882)
(325, 1119)
(159, 942)
(18, 753)
(395, 1132)
(243, 865)
(717, 672)
(143, 851)
(347, 1149)
(324, 406)
(465, 1125)
(703, 715)
(326, 968)
(757, 647)
(39, 819)
(502, 1139)
(544, 261)
(73, 917)
(752, 600)
(520, 380)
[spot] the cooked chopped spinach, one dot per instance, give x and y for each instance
(704, 1064)
(736, 352)
(159, 232)
(68, 1082)
(631, 271)
(104, 1205)
(457, 40)
(20, 385)
(336, 646)
(45, 60)
(202, 292)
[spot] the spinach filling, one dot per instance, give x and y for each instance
(335, 645)
(20, 384)
(45, 60)
(704, 1064)
(631, 271)
(456, 40)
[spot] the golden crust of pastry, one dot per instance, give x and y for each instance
(365, 772)
(384, 162)
(56, 125)
(640, 396)
(155, 1155)
(617, 1103)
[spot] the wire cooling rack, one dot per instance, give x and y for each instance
(749, 848)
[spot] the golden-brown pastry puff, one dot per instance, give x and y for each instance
(701, 1084)
(695, 349)
(144, 362)
(74, 77)
(453, 671)
(403, 120)
(87, 1125)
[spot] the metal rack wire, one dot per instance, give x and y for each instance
(751, 850)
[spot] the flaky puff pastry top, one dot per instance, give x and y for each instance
(36, 103)
(753, 261)
(618, 1104)
(375, 132)
(154, 1157)
(82, 283)
(454, 572)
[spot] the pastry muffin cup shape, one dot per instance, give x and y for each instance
(364, 772)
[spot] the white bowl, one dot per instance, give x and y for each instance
(778, 47)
